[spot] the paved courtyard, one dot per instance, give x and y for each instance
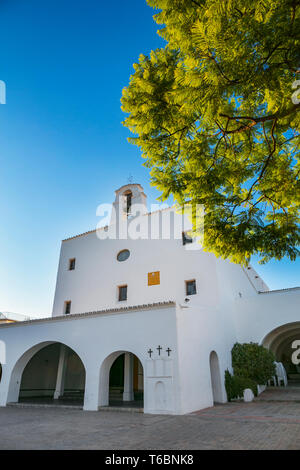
(270, 422)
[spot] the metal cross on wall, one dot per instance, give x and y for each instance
(159, 349)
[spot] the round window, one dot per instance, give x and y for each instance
(123, 255)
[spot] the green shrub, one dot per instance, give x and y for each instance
(252, 361)
(236, 385)
(252, 365)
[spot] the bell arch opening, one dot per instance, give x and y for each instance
(128, 201)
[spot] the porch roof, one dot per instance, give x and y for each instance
(108, 311)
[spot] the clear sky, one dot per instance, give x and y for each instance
(63, 149)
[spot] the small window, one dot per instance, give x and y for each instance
(72, 264)
(122, 293)
(186, 238)
(190, 287)
(67, 307)
(123, 255)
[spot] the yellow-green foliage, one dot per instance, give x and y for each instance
(213, 115)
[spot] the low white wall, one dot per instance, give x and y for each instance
(94, 338)
(256, 316)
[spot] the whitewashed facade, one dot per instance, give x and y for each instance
(182, 339)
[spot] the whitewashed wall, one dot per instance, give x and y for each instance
(227, 308)
(93, 285)
(255, 317)
(94, 338)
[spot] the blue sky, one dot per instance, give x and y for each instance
(63, 147)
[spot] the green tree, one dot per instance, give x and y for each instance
(215, 120)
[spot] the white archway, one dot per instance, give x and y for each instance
(24, 360)
(104, 377)
(280, 341)
(216, 384)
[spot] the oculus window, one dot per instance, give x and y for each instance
(123, 255)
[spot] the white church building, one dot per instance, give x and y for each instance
(145, 321)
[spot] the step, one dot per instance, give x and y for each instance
(72, 395)
(43, 405)
(126, 409)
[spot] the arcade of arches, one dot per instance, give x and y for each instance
(56, 372)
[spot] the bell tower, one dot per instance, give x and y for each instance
(130, 201)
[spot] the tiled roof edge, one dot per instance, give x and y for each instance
(278, 290)
(95, 313)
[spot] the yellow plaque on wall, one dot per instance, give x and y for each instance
(154, 278)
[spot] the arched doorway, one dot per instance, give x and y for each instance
(280, 342)
(216, 384)
(122, 381)
(51, 373)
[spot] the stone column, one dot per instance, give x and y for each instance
(140, 376)
(61, 371)
(91, 394)
(128, 378)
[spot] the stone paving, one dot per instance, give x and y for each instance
(281, 394)
(266, 423)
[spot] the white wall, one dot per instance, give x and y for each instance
(227, 308)
(94, 282)
(255, 317)
(201, 331)
(175, 384)
(94, 338)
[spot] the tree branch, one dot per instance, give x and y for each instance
(256, 120)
